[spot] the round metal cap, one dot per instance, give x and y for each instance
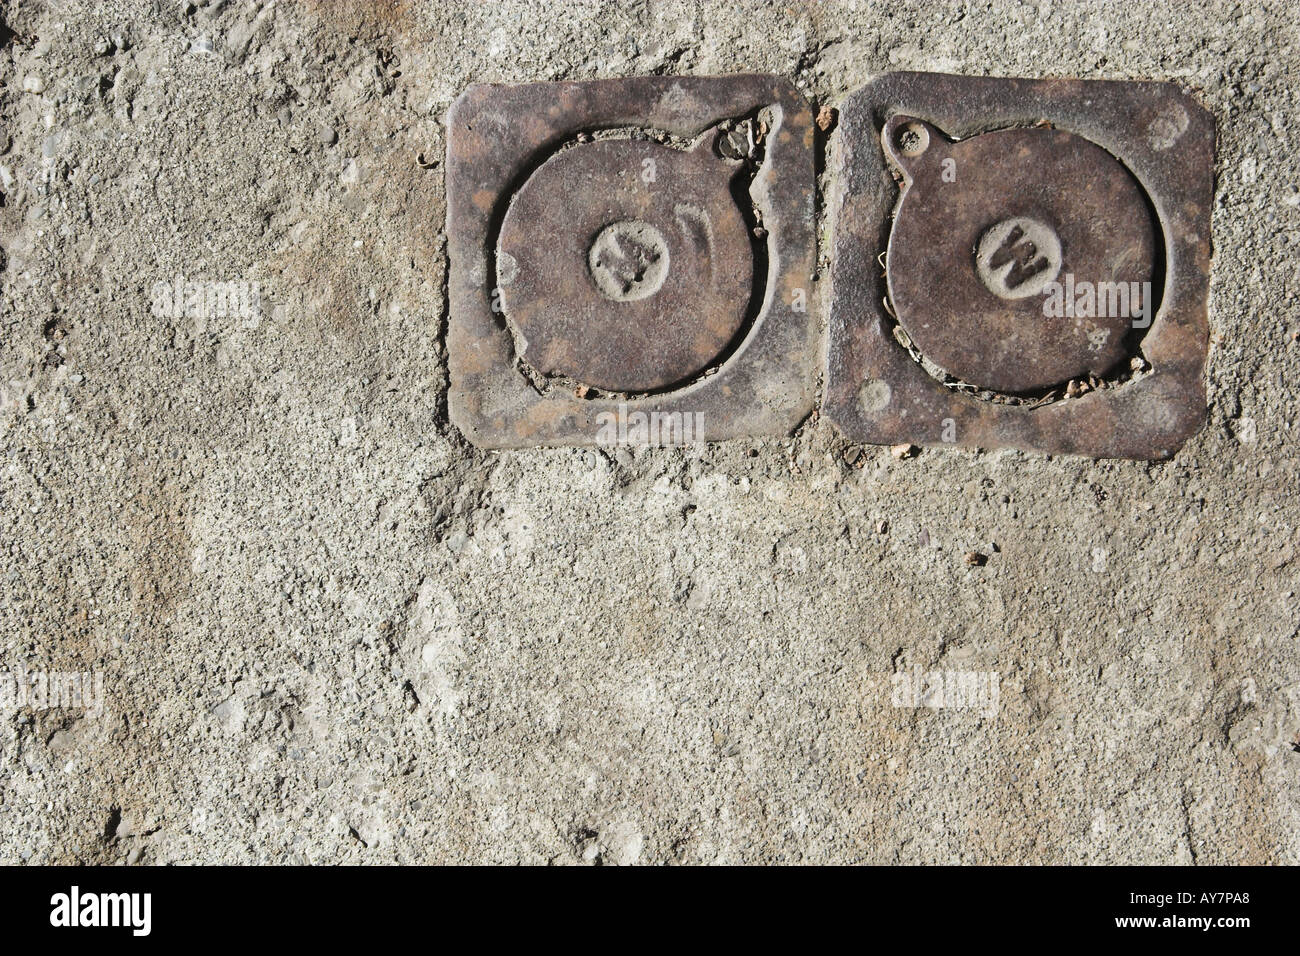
(626, 265)
(1019, 259)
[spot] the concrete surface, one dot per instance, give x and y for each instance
(329, 630)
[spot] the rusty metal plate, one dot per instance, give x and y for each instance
(638, 247)
(1000, 204)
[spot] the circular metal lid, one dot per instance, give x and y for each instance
(1018, 258)
(626, 265)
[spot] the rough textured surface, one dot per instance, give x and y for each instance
(332, 631)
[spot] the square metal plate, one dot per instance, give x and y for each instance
(877, 389)
(530, 179)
